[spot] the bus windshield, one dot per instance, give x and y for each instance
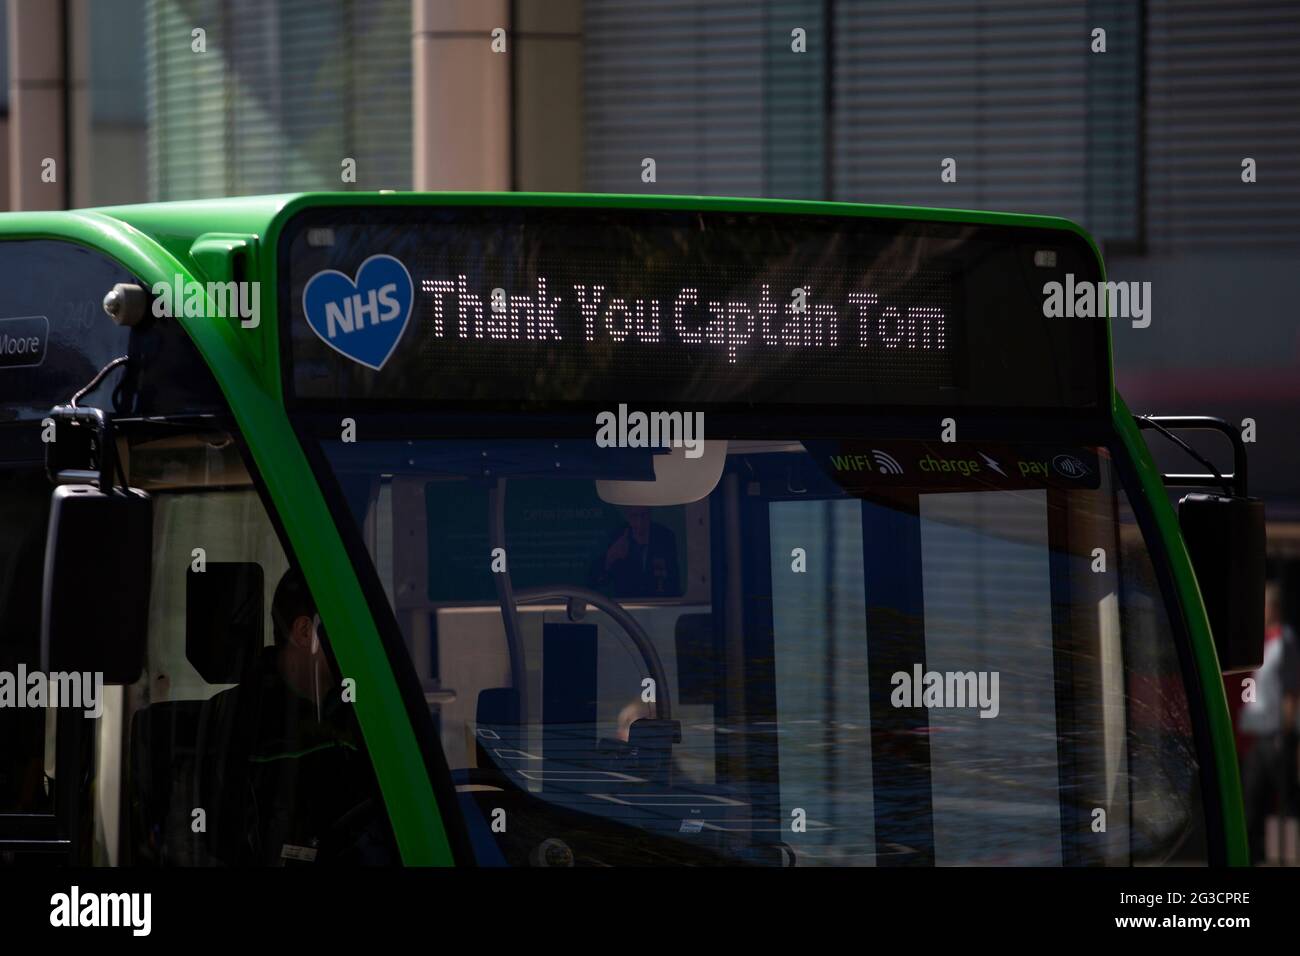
(840, 651)
(659, 502)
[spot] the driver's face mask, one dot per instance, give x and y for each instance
(317, 662)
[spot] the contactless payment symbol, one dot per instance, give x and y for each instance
(364, 318)
(1068, 466)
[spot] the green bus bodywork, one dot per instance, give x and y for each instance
(204, 240)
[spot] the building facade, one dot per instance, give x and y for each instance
(1168, 128)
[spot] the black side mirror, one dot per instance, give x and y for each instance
(1225, 539)
(98, 555)
(98, 565)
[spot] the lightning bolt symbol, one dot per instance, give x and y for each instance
(992, 464)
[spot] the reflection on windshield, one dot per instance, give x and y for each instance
(848, 653)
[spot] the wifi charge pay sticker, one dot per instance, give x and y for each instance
(864, 464)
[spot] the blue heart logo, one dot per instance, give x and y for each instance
(365, 319)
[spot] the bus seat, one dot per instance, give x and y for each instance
(163, 782)
(178, 746)
(652, 741)
(696, 659)
(179, 750)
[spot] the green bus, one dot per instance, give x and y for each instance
(553, 530)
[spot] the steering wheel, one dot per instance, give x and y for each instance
(577, 599)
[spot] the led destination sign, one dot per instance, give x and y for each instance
(737, 325)
(492, 306)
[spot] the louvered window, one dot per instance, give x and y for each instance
(1224, 85)
(285, 92)
(1009, 89)
(712, 92)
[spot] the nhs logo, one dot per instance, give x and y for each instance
(361, 318)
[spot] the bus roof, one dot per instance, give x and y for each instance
(175, 225)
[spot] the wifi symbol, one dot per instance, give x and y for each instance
(886, 462)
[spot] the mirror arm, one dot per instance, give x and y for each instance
(1234, 483)
(84, 448)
